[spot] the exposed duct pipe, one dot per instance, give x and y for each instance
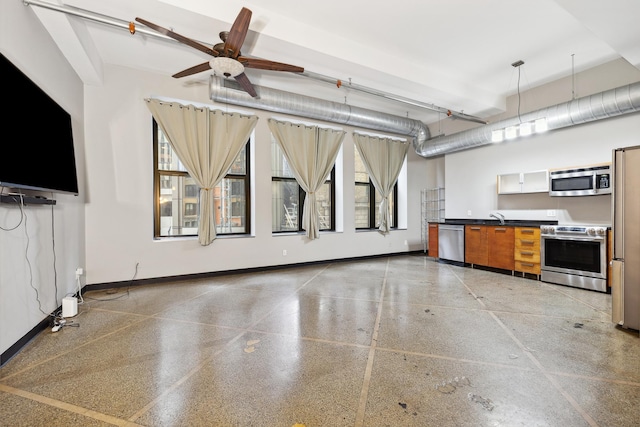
(305, 106)
(610, 103)
(398, 98)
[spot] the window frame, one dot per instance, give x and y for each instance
(158, 174)
(302, 195)
(373, 207)
(331, 180)
(372, 192)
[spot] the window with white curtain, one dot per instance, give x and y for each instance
(176, 195)
(367, 199)
(288, 196)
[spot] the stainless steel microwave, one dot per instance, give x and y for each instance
(586, 181)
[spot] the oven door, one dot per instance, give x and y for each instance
(578, 256)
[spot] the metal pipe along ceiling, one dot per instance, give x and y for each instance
(611, 103)
(304, 106)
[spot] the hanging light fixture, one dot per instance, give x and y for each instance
(510, 132)
(525, 129)
(541, 125)
(522, 128)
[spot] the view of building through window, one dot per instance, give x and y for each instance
(288, 197)
(368, 215)
(178, 196)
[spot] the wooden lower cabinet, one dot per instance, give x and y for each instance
(489, 246)
(432, 246)
(527, 250)
(476, 250)
(500, 241)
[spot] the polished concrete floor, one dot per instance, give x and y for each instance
(397, 341)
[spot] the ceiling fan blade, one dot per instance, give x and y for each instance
(193, 70)
(243, 80)
(178, 37)
(237, 34)
(264, 64)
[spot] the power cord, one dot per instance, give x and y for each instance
(114, 291)
(61, 322)
(22, 214)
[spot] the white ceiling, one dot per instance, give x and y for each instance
(453, 54)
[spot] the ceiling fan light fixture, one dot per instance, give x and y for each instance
(226, 67)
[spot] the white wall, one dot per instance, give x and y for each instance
(474, 189)
(40, 254)
(470, 175)
(119, 210)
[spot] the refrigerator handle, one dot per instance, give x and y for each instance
(617, 292)
(617, 205)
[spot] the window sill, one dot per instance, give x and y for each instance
(301, 233)
(189, 238)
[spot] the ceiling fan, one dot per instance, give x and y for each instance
(228, 60)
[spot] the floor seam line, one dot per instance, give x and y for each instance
(364, 393)
(544, 372)
(197, 368)
(69, 407)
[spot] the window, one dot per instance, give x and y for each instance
(367, 213)
(177, 196)
(288, 196)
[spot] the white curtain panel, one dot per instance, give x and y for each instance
(383, 159)
(206, 142)
(311, 152)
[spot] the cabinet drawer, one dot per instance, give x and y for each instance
(527, 267)
(528, 244)
(528, 256)
(528, 233)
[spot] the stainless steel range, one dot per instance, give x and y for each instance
(574, 255)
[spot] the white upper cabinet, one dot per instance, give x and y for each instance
(524, 182)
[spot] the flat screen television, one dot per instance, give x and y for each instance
(38, 153)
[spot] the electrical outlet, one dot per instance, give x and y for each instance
(469, 212)
(79, 271)
(551, 212)
(405, 243)
(284, 252)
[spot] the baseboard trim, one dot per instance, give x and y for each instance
(156, 280)
(46, 323)
(22, 342)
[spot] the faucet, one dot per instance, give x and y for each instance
(498, 216)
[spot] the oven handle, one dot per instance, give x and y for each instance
(576, 238)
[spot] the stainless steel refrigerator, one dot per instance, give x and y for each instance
(625, 280)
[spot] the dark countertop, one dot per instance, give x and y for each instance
(507, 222)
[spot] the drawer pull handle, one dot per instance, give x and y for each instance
(475, 228)
(501, 229)
(526, 264)
(527, 242)
(526, 252)
(526, 231)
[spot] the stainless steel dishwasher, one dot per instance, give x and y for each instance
(451, 242)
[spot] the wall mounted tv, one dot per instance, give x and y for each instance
(39, 153)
